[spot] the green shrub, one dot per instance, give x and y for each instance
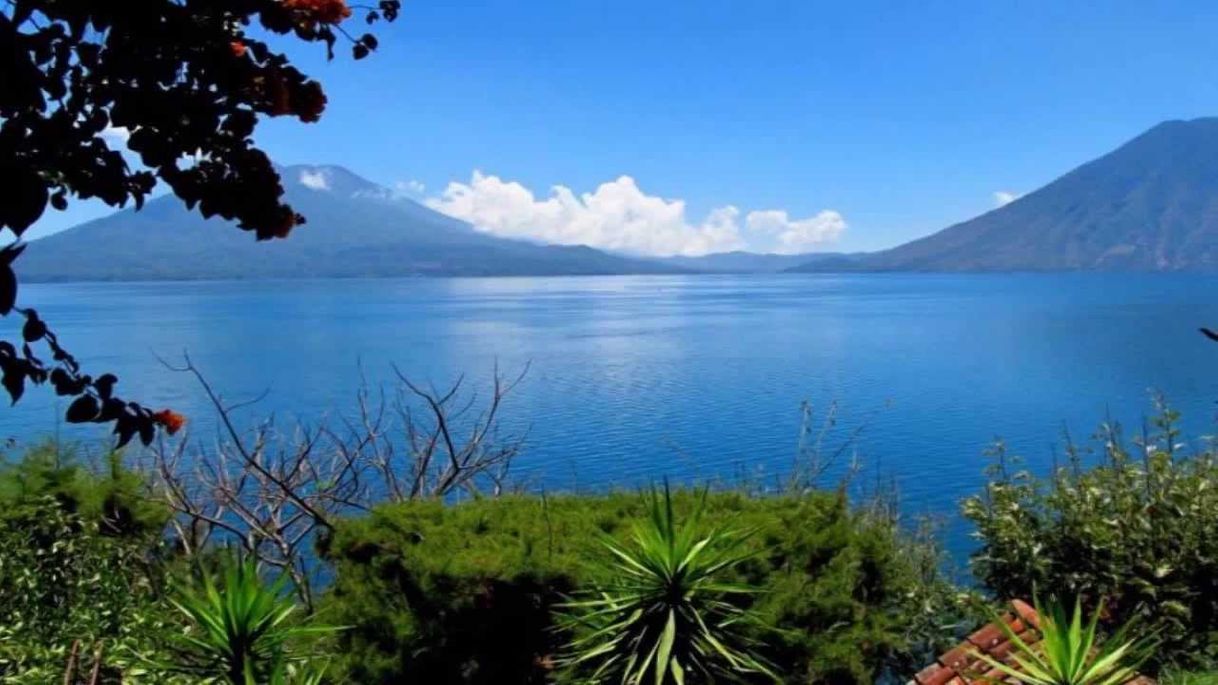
(1140, 528)
(76, 564)
(465, 593)
(1177, 677)
(109, 496)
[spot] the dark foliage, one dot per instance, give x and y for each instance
(186, 85)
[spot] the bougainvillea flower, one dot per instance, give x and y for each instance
(171, 420)
(324, 11)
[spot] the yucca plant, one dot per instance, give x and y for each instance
(1071, 653)
(669, 614)
(241, 630)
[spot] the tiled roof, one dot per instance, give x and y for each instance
(960, 666)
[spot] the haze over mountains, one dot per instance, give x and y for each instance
(1151, 204)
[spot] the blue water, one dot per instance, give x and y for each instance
(634, 378)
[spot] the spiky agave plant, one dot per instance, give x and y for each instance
(669, 614)
(1071, 653)
(241, 630)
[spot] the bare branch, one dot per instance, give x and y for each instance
(270, 492)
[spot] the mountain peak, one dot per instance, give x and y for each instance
(1174, 136)
(1149, 205)
(327, 178)
(1185, 124)
(354, 228)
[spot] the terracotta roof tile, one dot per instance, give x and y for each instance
(989, 636)
(959, 667)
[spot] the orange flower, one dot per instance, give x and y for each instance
(238, 48)
(171, 420)
(324, 11)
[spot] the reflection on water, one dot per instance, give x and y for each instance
(687, 376)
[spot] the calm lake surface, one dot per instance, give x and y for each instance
(637, 378)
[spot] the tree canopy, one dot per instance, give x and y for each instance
(184, 83)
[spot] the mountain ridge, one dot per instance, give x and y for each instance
(1149, 205)
(355, 228)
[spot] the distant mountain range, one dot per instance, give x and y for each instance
(751, 262)
(1151, 204)
(355, 228)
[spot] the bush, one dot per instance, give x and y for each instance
(1140, 528)
(76, 566)
(465, 593)
(111, 497)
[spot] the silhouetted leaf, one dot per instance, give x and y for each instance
(147, 430)
(8, 289)
(23, 196)
(125, 430)
(38, 374)
(11, 252)
(14, 382)
(65, 384)
(105, 385)
(33, 330)
(82, 410)
(111, 410)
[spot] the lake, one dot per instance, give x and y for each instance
(691, 377)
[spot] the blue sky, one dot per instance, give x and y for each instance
(898, 118)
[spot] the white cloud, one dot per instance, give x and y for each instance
(314, 179)
(400, 190)
(411, 188)
(618, 215)
(796, 236)
(1005, 197)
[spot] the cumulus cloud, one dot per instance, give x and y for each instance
(618, 215)
(1005, 197)
(795, 236)
(315, 179)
